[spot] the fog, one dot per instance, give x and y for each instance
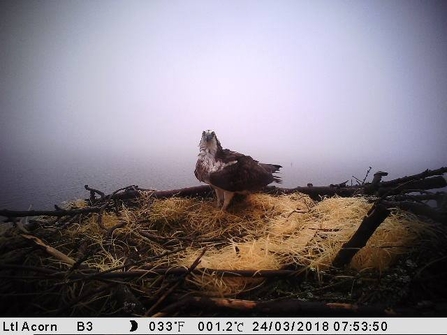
(324, 88)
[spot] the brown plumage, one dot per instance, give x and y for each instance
(230, 172)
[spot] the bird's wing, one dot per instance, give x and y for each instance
(227, 156)
(245, 174)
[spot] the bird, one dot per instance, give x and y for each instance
(229, 172)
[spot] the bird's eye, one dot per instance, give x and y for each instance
(203, 133)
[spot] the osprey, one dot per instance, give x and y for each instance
(229, 172)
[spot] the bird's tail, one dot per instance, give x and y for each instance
(275, 167)
(272, 168)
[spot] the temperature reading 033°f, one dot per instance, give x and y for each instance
(163, 326)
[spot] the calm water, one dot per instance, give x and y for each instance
(41, 182)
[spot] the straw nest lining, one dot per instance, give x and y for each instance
(259, 232)
(269, 233)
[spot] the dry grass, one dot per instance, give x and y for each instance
(259, 232)
(268, 232)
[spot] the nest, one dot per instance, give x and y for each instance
(270, 233)
(85, 266)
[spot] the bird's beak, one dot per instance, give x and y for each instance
(208, 137)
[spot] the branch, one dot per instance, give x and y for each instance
(59, 212)
(386, 189)
(93, 192)
(177, 283)
(205, 271)
(205, 191)
(281, 307)
(115, 273)
(50, 250)
(418, 209)
(422, 175)
(376, 215)
(195, 191)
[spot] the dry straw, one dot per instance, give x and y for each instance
(268, 232)
(258, 232)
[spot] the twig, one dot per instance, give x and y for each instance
(93, 192)
(107, 200)
(366, 176)
(112, 229)
(50, 250)
(110, 273)
(177, 283)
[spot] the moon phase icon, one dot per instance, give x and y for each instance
(133, 325)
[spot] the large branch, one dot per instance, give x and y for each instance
(425, 174)
(58, 212)
(418, 181)
(205, 191)
(281, 307)
(412, 185)
(88, 274)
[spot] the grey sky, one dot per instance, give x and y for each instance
(312, 85)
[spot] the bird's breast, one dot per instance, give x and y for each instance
(207, 164)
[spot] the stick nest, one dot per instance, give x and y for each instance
(122, 260)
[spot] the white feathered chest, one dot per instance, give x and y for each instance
(207, 164)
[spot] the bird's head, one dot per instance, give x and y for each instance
(209, 142)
